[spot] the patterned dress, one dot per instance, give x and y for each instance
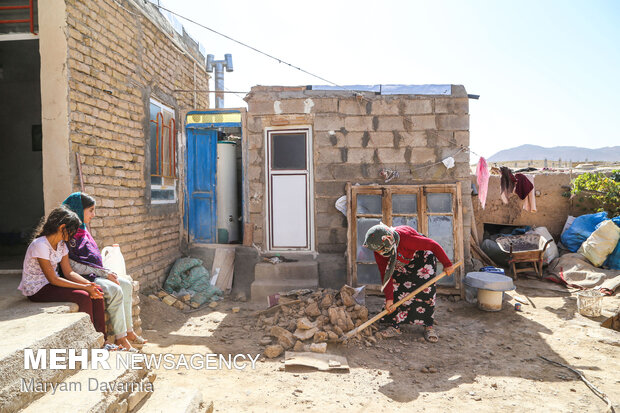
(407, 277)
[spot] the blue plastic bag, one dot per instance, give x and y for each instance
(613, 260)
(581, 229)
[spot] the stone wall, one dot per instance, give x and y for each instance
(354, 138)
(117, 60)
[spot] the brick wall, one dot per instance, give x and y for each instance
(117, 60)
(353, 140)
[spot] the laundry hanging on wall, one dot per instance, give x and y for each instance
(530, 201)
(507, 183)
(482, 174)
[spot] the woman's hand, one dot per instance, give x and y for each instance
(113, 277)
(449, 270)
(93, 291)
(389, 306)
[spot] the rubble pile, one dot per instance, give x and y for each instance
(307, 321)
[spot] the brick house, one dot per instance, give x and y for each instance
(107, 80)
(306, 148)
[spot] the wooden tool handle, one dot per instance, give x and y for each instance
(398, 304)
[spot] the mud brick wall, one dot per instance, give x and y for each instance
(353, 140)
(117, 60)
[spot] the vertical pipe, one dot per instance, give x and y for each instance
(219, 84)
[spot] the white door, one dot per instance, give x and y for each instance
(289, 161)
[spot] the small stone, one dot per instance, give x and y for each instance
(331, 336)
(273, 351)
(285, 338)
(347, 300)
(236, 309)
(305, 324)
(265, 341)
(154, 297)
(450, 310)
(573, 390)
(299, 346)
(320, 337)
(327, 301)
(194, 305)
(477, 398)
(424, 370)
(185, 298)
(161, 294)
(313, 310)
(213, 304)
(305, 334)
(432, 370)
(421, 339)
(170, 300)
(318, 347)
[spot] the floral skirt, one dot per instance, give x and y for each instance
(420, 309)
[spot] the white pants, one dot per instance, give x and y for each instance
(118, 304)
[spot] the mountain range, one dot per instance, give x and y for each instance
(566, 153)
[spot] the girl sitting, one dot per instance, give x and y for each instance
(86, 259)
(40, 281)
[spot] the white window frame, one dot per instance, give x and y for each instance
(163, 107)
(307, 129)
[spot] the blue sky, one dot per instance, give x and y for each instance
(547, 71)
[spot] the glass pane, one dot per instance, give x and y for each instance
(439, 202)
(409, 221)
(155, 180)
(369, 204)
(167, 141)
(405, 204)
(363, 225)
(440, 229)
(368, 274)
(288, 151)
(162, 194)
(154, 110)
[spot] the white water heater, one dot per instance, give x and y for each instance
(226, 193)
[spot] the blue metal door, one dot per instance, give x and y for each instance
(201, 179)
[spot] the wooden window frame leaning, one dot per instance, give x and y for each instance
(386, 192)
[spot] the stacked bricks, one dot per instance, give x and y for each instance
(117, 60)
(353, 139)
(135, 311)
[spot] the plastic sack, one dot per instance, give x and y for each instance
(189, 274)
(581, 229)
(601, 243)
(613, 260)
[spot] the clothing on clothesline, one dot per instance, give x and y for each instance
(530, 201)
(523, 186)
(482, 174)
(507, 183)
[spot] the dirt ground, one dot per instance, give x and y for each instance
(485, 361)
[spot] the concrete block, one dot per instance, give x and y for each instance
(327, 122)
(385, 106)
(325, 105)
(353, 106)
(358, 123)
(456, 106)
(329, 155)
(422, 122)
(462, 138)
(359, 155)
(459, 91)
(453, 122)
(422, 155)
(258, 107)
(417, 106)
(300, 270)
(391, 155)
(414, 139)
(390, 123)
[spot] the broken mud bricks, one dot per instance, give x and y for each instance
(182, 304)
(312, 319)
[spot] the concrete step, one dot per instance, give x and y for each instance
(100, 390)
(24, 324)
(263, 288)
(302, 270)
(175, 399)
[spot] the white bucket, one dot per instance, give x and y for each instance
(113, 260)
(490, 300)
(590, 303)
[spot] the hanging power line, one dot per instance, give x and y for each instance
(282, 61)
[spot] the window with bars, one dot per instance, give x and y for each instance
(163, 148)
(433, 210)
